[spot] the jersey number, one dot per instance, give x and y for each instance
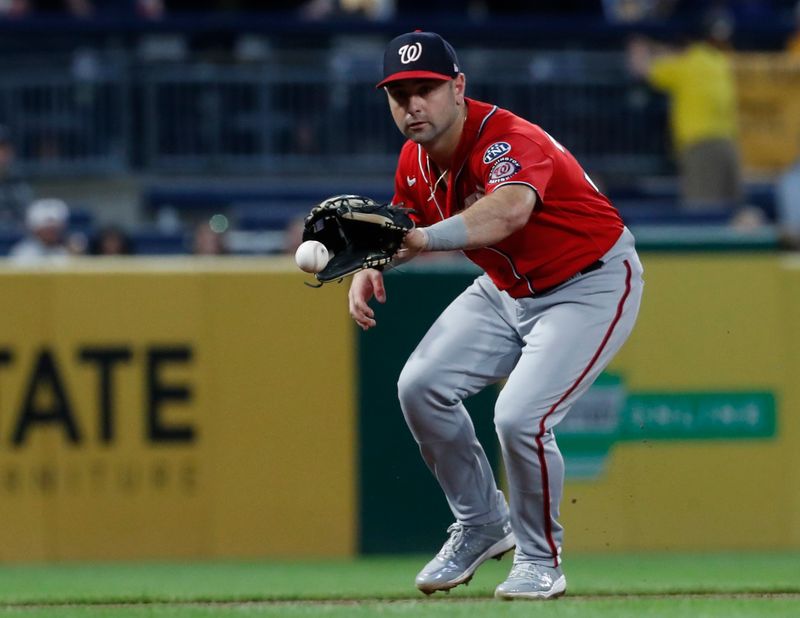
(564, 150)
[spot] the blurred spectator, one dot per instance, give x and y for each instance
(293, 235)
(580, 8)
(793, 45)
(110, 240)
(787, 189)
(369, 9)
(208, 242)
(15, 193)
(633, 11)
(46, 221)
(14, 8)
(80, 8)
(200, 6)
(76, 8)
(146, 9)
(150, 9)
(787, 200)
(700, 82)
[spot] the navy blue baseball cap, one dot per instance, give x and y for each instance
(418, 55)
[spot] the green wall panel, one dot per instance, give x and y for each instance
(401, 506)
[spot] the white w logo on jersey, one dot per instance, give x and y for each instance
(410, 53)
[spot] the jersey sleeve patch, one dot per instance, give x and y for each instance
(495, 151)
(503, 169)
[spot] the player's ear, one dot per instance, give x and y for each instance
(459, 87)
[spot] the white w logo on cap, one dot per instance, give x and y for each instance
(410, 53)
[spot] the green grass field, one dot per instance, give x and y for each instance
(618, 585)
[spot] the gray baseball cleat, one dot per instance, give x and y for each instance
(528, 580)
(467, 548)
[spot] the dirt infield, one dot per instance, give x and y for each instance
(432, 601)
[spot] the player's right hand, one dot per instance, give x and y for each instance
(365, 284)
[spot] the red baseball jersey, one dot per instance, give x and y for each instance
(571, 227)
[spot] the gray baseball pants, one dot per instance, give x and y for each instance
(550, 349)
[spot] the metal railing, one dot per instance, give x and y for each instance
(68, 113)
(309, 112)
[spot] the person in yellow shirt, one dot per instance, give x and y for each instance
(699, 81)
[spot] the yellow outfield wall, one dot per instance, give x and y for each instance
(178, 408)
(789, 474)
(714, 323)
(191, 408)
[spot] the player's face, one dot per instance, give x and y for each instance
(425, 109)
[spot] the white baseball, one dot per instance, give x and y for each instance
(311, 256)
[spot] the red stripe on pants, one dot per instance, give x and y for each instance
(548, 524)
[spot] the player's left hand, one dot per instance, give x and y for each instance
(365, 284)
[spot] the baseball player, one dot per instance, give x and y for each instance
(559, 297)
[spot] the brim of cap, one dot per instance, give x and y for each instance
(394, 77)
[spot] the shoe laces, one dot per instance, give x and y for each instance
(522, 568)
(451, 545)
(528, 569)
